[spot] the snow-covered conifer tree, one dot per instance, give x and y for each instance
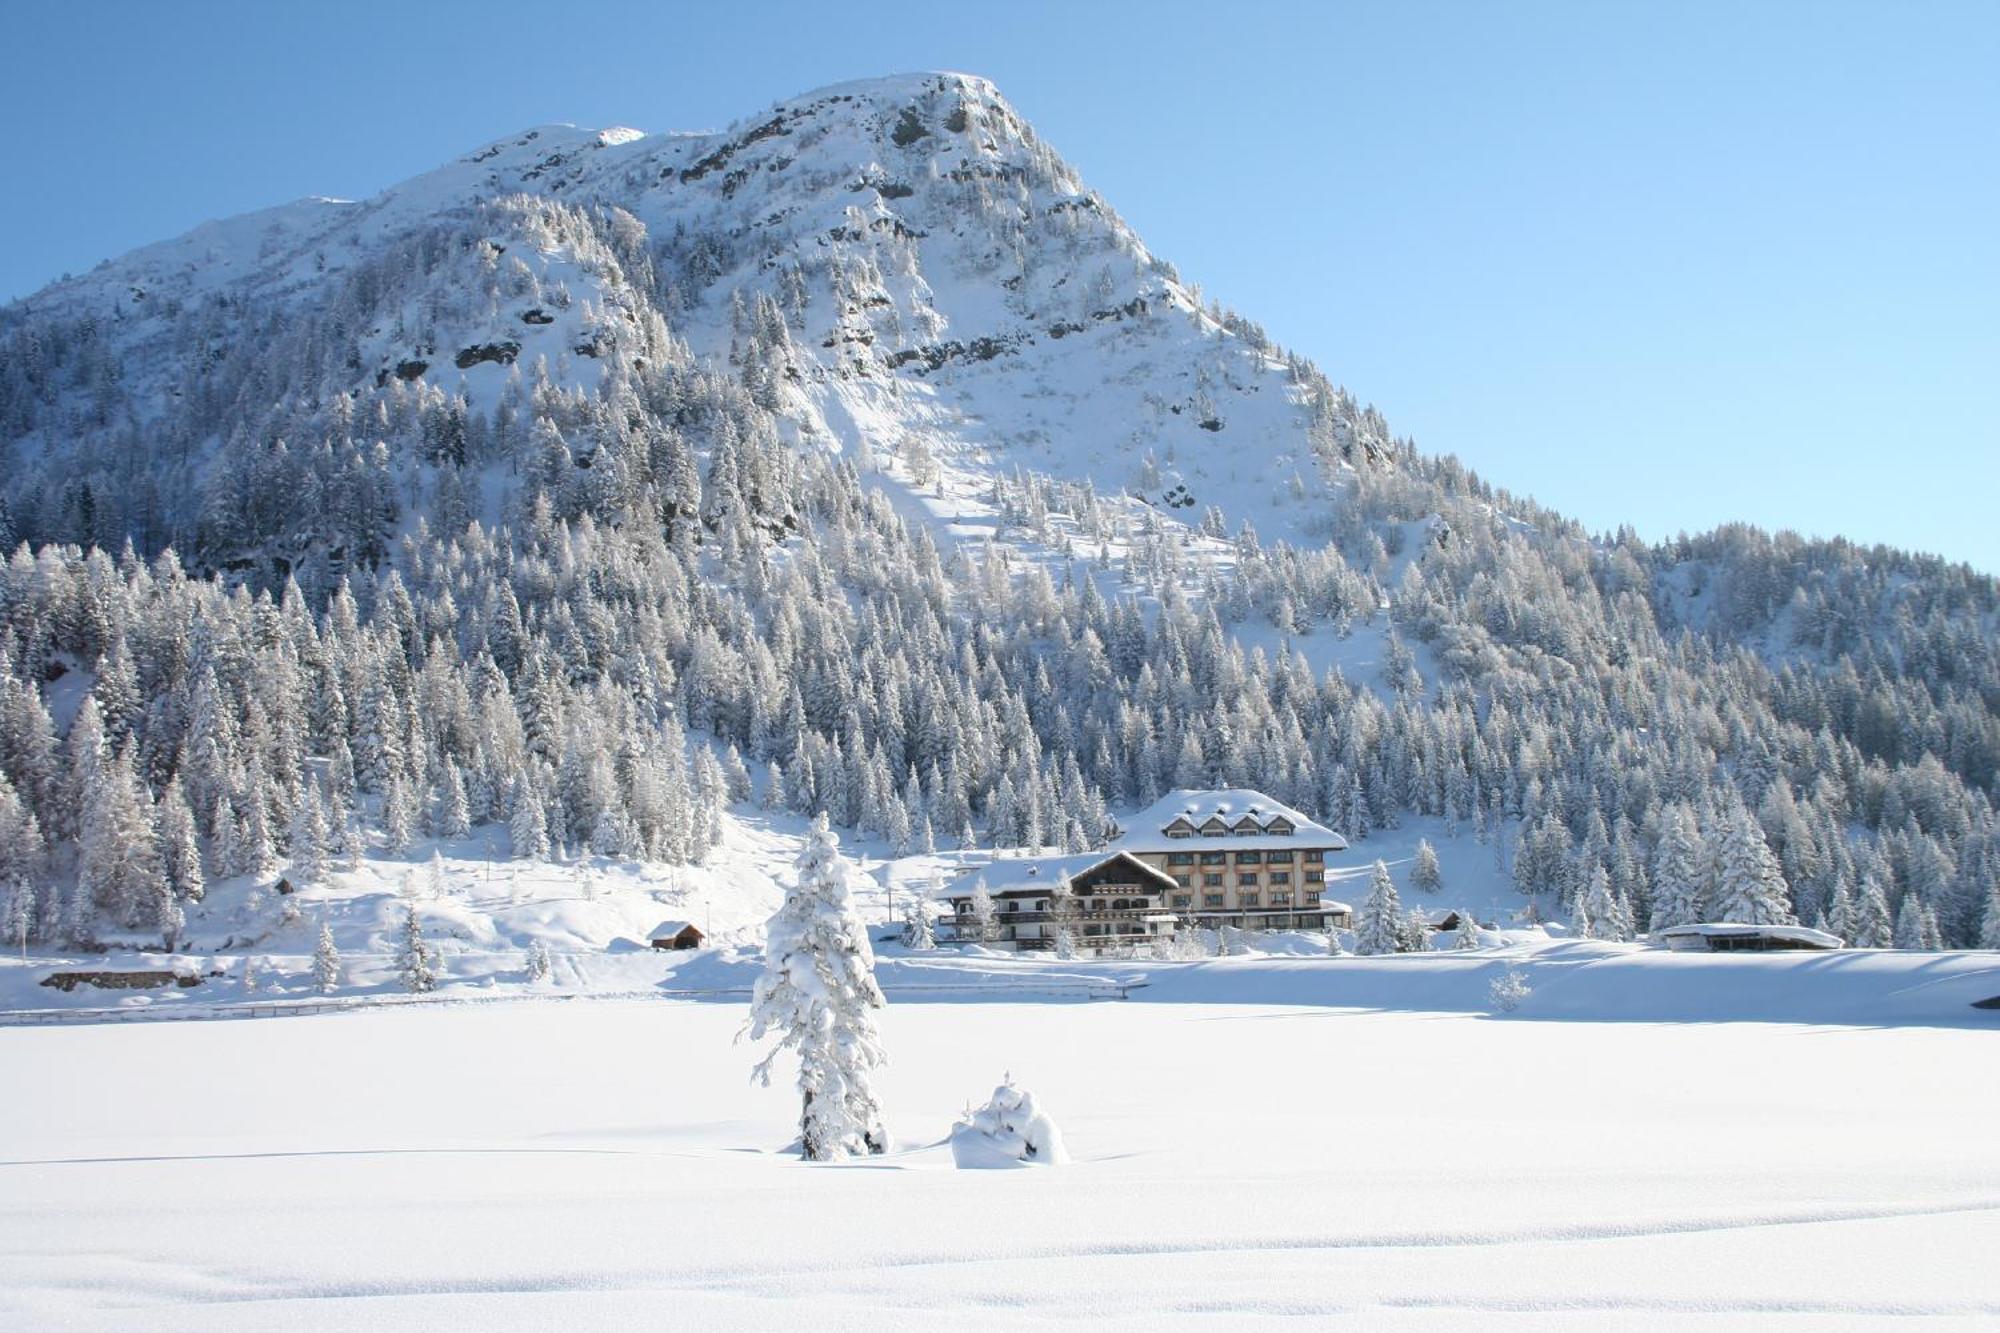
(1749, 886)
(1062, 915)
(1468, 932)
(817, 993)
(1909, 932)
(1872, 926)
(1677, 873)
(527, 829)
(985, 920)
(415, 964)
(1425, 874)
(1840, 914)
(919, 935)
(326, 962)
(1379, 927)
(20, 912)
(1989, 930)
(1601, 914)
(308, 838)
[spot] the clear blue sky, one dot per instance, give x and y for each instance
(1670, 264)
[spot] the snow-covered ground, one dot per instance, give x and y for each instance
(548, 1164)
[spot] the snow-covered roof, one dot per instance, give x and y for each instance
(666, 930)
(1804, 936)
(1031, 874)
(1233, 807)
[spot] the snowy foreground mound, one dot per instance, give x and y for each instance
(608, 1164)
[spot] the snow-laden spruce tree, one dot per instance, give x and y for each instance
(1012, 1129)
(1872, 927)
(415, 965)
(1678, 877)
(1749, 884)
(1910, 932)
(1468, 932)
(1062, 915)
(1379, 927)
(1989, 930)
(1839, 919)
(1425, 874)
(1602, 914)
(818, 995)
(985, 920)
(527, 829)
(919, 935)
(326, 961)
(20, 912)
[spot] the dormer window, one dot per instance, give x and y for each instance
(1280, 826)
(1213, 827)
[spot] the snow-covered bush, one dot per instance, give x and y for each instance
(1509, 989)
(1012, 1129)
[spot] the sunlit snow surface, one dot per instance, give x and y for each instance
(546, 1163)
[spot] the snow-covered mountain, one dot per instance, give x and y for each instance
(862, 439)
(936, 276)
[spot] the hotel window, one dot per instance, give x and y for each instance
(1183, 899)
(1183, 880)
(1180, 858)
(1314, 856)
(1012, 905)
(1315, 877)
(1312, 898)
(1211, 881)
(1246, 900)
(1248, 879)
(1248, 831)
(1097, 904)
(1281, 877)
(1211, 900)
(1281, 899)
(1283, 858)
(1249, 858)
(1215, 858)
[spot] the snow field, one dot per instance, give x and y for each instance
(538, 1165)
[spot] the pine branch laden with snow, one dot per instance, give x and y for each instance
(1468, 933)
(817, 994)
(1011, 1129)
